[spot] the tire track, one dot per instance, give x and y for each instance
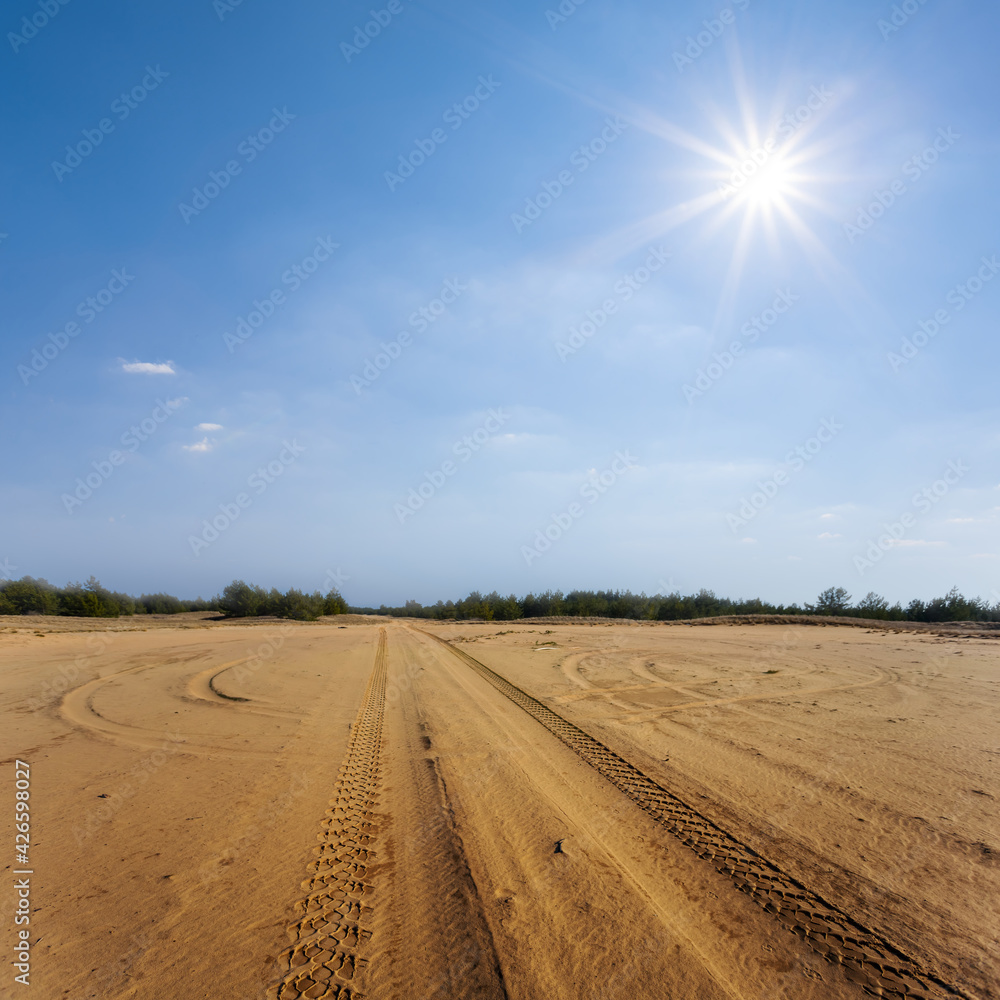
(865, 957)
(325, 960)
(77, 707)
(435, 942)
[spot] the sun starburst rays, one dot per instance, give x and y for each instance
(761, 181)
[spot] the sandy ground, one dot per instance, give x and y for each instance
(399, 809)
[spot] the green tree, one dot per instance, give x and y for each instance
(474, 606)
(302, 607)
(953, 607)
(334, 604)
(242, 600)
(504, 609)
(274, 604)
(90, 600)
(30, 595)
(160, 604)
(833, 601)
(873, 605)
(125, 602)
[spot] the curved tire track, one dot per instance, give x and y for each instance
(866, 958)
(202, 685)
(77, 707)
(325, 960)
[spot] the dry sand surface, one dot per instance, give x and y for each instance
(396, 809)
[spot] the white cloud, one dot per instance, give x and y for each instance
(827, 534)
(203, 445)
(148, 367)
(209, 427)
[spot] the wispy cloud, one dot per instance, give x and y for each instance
(827, 534)
(203, 445)
(209, 427)
(148, 367)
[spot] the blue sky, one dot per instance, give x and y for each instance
(464, 296)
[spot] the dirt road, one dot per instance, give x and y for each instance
(406, 809)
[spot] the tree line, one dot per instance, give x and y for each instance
(91, 600)
(246, 600)
(675, 606)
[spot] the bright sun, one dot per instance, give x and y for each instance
(762, 178)
(760, 183)
(770, 185)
